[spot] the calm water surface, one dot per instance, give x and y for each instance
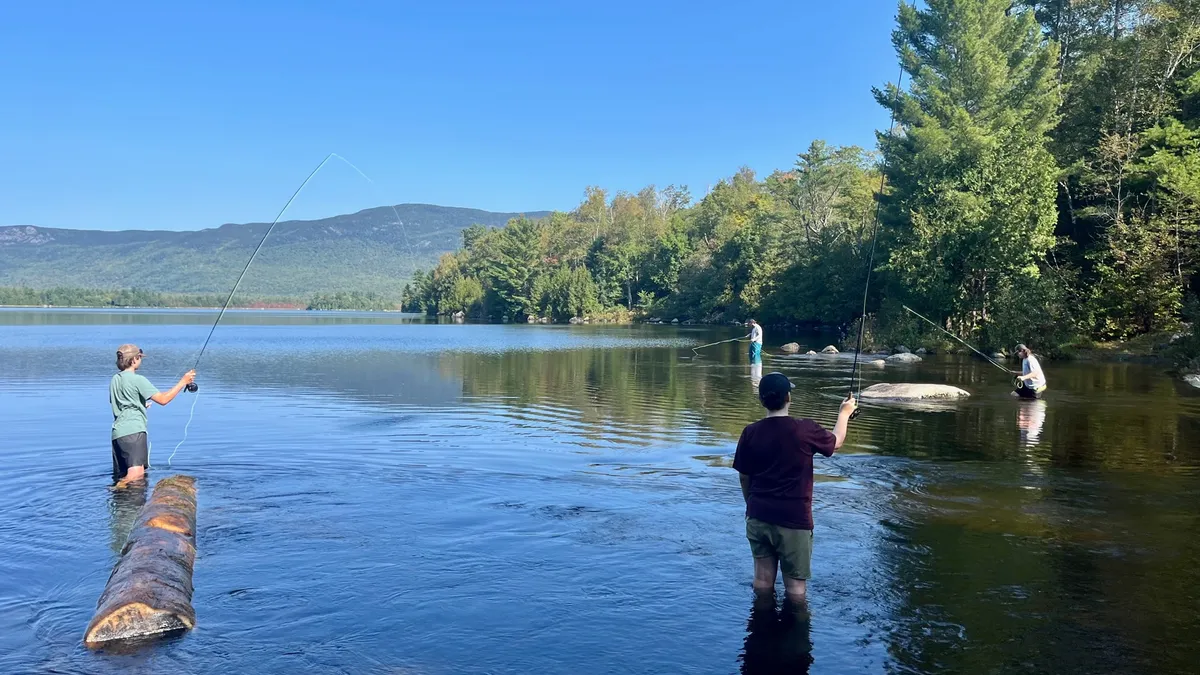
(385, 496)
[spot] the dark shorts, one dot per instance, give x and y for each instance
(129, 451)
(793, 548)
(1027, 391)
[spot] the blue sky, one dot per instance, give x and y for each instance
(188, 115)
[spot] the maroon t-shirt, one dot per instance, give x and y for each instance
(777, 454)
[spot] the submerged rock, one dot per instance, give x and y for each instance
(1193, 379)
(790, 348)
(903, 391)
(810, 353)
(830, 350)
(903, 357)
(878, 363)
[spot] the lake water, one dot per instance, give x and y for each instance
(381, 495)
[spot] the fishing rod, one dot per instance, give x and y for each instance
(193, 387)
(714, 344)
(855, 373)
(964, 342)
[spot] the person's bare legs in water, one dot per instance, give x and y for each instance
(765, 571)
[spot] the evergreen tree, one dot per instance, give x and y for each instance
(972, 183)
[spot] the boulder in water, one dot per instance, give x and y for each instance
(810, 353)
(903, 357)
(901, 349)
(790, 348)
(998, 356)
(921, 351)
(910, 392)
(1193, 379)
(830, 350)
(879, 363)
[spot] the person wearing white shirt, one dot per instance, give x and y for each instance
(756, 341)
(1031, 381)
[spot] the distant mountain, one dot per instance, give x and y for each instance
(364, 251)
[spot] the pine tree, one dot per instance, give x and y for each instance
(972, 183)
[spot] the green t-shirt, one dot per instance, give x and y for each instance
(128, 394)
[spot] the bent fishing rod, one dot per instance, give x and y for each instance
(962, 341)
(193, 387)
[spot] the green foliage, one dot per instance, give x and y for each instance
(352, 300)
(88, 297)
(566, 293)
(973, 191)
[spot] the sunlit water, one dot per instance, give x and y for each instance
(385, 496)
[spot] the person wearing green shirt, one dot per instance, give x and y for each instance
(130, 395)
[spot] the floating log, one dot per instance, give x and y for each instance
(150, 590)
(901, 391)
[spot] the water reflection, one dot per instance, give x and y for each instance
(123, 506)
(1031, 415)
(987, 535)
(755, 374)
(778, 638)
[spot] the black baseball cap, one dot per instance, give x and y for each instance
(775, 384)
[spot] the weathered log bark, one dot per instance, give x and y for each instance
(150, 590)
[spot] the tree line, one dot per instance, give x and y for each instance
(1041, 183)
(130, 298)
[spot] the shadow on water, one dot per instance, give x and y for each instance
(778, 638)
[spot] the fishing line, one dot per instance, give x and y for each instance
(191, 413)
(855, 372)
(193, 387)
(713, 344)
(964, 342)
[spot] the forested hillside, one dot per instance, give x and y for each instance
(368, 252)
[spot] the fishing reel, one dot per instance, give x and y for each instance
(192, 388)
(856, 410)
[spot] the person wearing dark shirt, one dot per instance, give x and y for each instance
(775, 461)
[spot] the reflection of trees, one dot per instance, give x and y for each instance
(995, 570)
(646, 388)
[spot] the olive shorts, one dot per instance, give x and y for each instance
(793, 548)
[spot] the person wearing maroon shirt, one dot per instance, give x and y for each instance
(775, 461)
